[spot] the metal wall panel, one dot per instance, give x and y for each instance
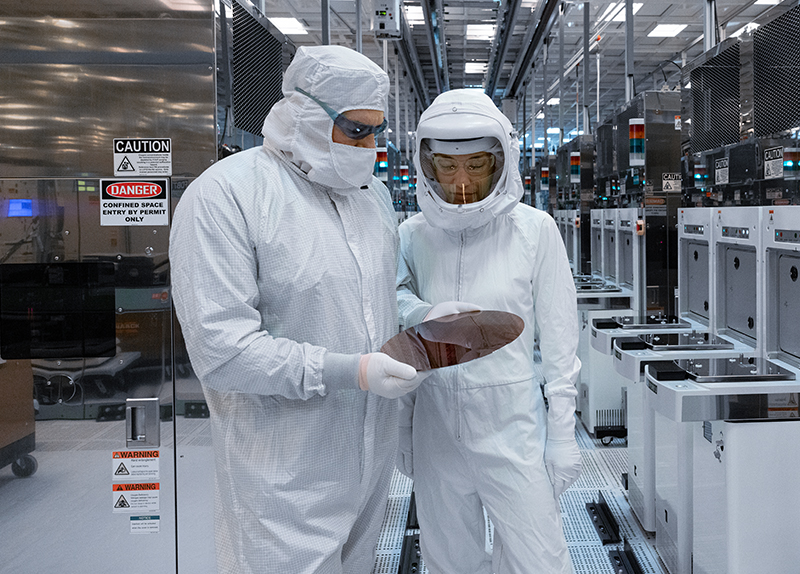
(257, 70)
(776, 68)
(788, 297)
(626, 259)
(714, 95)
(72, 85)
(695, 256)
(738, 289)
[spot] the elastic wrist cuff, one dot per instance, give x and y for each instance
(340, 371)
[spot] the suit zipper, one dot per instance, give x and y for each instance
(458, 369)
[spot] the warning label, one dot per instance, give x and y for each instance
(721, 171)
(773, 163)
(143, 496)
(139, 465)
(670, 182)
(783, 406)
(136, 454)
(145, 524)
(134, 202)
(143, 157)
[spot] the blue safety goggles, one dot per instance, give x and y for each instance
(352, 129)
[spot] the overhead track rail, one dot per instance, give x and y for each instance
(534, 41)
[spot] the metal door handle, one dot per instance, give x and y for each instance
(142, 423)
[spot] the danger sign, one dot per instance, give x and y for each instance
(136, 497)
(134, 202)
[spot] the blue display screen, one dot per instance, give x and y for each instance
(20, 208)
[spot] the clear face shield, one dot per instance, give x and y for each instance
(462, 171)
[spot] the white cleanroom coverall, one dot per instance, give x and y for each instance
(283, 263)
(478, 435)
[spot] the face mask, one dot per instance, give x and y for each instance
(346, 167)
(354, 166)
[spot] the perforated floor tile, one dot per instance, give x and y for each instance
(595, 472)
(394, 525)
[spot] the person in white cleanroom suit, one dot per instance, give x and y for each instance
(283, 263)
(478, 435)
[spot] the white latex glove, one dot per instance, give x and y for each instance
(405, 460)
(382, 375)
(562, 457)
(449, 308)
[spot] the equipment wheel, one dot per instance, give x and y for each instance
(24, 466)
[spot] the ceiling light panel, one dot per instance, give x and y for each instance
(474, 67)
(666, 30)
(414, 14)
(480, 31)
(620, 15)
(289, 26)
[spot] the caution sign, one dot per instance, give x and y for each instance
(773, 163)
(145, 524)
(136, 497)
(142, 157)
(134, 202)
(721, 171)
(135, 465)
(670, 182)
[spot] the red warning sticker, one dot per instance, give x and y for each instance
(136, 497)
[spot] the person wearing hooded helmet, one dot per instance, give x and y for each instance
(283, 261)
(479, 436)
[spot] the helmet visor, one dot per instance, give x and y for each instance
(462, 178)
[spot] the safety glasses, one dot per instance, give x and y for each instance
(352, 129)
(480, 165)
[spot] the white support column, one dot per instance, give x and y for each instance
(358, 26)
(710, 25)
(587, 126)
(629, 87)
(561, 19)
(598, 87)
(545, 107)
(533, 120)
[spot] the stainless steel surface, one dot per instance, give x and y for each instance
(587, 280)
(734, 370)
(730, 392)
(588, 289)
(744, 407)
(650, 321)
(684, 341)
(74, 82)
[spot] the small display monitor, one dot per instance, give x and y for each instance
(20, 208)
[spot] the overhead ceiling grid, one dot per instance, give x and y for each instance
(500, 47)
